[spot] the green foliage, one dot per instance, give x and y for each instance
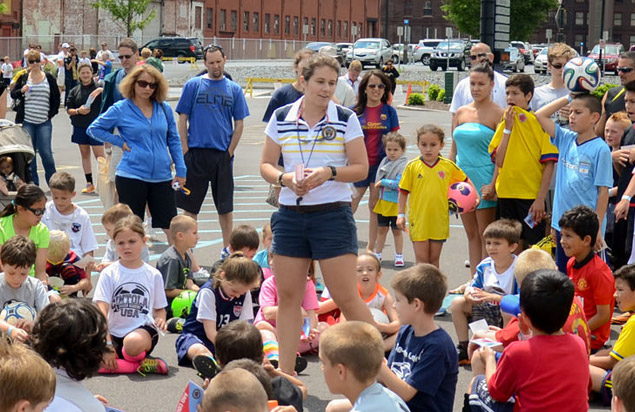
(415, 99)
(602, 89)
(433, 92)
(128, 12)
(526, 16)
(441, 95)
(4, 8)
(50, 68)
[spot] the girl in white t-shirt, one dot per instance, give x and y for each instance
(131, 295)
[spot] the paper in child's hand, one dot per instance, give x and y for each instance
(486, 343)
(83, 262)
(479, 325)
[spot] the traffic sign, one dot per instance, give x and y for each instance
(502, 10)
(501, 37)
(501, 28)
(502, 19)
(505, 3)
(500, 45)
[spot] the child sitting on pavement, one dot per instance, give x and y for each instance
(60, 263)
(108, 220)
(235, 390)
(494, 278)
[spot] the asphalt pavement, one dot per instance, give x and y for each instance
(134, 393)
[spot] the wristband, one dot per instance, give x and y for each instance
(507, 131)
(626, 197)
(10, 330)
(402, 215)
(569, 98)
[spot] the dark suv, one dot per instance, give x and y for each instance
(184, 47)
(457, 53)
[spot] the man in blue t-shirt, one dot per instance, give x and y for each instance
(211, 112)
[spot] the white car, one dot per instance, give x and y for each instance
(371, 51)
(540, 62)
(425, 50)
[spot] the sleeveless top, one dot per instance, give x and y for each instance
(614, 101)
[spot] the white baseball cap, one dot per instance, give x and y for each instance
(66, 46)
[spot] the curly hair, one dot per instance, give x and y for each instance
(71, 334)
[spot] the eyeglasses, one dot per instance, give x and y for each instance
(624, 69)
(556, 66)
(143, 84)
(478, 56)
(379, 86)
(34, 61)
(36, 212)
(125, 56)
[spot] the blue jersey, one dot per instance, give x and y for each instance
(227, 310)
(581, 170)
(212, 106)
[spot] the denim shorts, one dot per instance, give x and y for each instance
(314, 234)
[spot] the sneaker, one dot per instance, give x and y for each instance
(441, 312)
(467, 263)
(300, 364)
(206, 366)
(175, 325)
(399, 262)
(90, 188)
(152, 365)
(464, 360)
(224, 253)
(620, 319)
(378, 254)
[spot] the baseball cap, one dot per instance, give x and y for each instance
(66, 46)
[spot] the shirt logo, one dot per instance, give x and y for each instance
(441, 174)
(383, 116)
(238, 310)
(419, 177)
(584, 167)
(582, 285)
(522, 117)
(76, 227)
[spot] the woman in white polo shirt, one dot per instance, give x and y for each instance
(322, 145)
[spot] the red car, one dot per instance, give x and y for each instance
(610, 54)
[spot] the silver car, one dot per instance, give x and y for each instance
(540, 62)
(425, 49)
(371, 51)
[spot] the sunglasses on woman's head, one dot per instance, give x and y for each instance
(379, 86)
(143, 84)
(34, 61)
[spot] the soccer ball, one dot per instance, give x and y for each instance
(581, 74)
(15, 311)
(379, 316)
(461, 197)
(182, 304)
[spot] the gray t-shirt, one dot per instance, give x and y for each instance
(174, 269)
(32, 292)
(546, 94)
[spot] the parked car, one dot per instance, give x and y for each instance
(370, 51)
(183, 47)
(536, 48)
(330, 49)
(342, 49)
(525, 50)
(540, 62)
(399, 55)
(610, 55)
(425, 49)
(457, 52)
(317, 45)
(512, 59)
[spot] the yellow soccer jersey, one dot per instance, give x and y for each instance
(428, 213)
(625, 345)
(528, 150)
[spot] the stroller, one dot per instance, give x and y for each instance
(15, 142)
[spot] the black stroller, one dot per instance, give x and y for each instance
(15, 142)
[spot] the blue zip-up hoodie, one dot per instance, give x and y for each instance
(154, 143)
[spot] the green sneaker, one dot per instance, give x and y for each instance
(152, 365)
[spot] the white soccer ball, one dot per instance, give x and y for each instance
(581, 74)
(15, 311)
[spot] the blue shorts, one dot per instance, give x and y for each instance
(481, 401)
(370, 178)
(81, 137)
(183, 344)
(305, 232)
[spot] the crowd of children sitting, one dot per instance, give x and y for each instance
(542, 345)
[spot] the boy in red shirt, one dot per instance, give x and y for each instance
(548, 372)
(592, 277)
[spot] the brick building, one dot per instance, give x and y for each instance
(425, 19)
(10, 20)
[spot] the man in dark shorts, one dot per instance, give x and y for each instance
(211, 112)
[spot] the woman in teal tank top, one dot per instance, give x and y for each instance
(473, 127)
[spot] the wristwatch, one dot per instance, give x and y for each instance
(333, 172)
(279, 179)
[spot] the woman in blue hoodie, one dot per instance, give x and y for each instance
(148, 135)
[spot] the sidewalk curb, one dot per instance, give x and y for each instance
(420, 109)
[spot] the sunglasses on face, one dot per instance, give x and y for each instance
(125, 56)
(143, 84)
(478, 56)
(624, 69)
(557, 66)
(380, 86)
(34, 61)
(36, 212)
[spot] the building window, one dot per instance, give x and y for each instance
(407, 8)
(323, 27)
(313, 24)
(198, 12)
(632, 19)
(234, 17)
(579, 18)
(296, 30)
(209, 18)
(427, 8)
(617, 19)
(345, 31)
(360, 33)
(256, 24)
(354, 32)
(246, 21)
(632, 40)
(223, 20)
(276, 24)
(287, 25)
(267, 23)
(330, 28)
(339, 28)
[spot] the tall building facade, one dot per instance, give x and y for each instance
(425, 19)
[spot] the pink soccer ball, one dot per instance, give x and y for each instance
(461, 197)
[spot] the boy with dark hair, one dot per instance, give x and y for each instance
(525, 158)
(591, 276)
(584, 171)
(602, 362)
(235, 390)
(624, 386)
(547, 372)
(494, 278)
(17, 256)
(422, 367)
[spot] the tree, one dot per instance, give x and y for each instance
(4, 8)
(128, 12)
(526, 16)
